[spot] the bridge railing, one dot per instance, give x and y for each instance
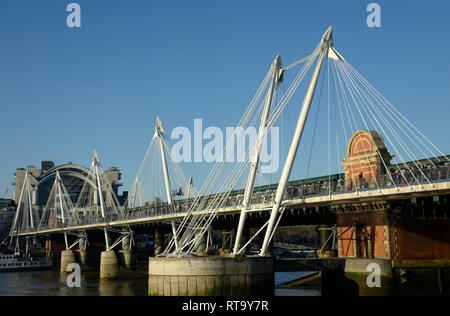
(394, 178)
(335, 186)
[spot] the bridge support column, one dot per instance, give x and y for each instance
(270, 248)
(127, 259)
(158, 241)
(245, 237)
(325, 241)
(48, 248)
(82, 252)
(67, 257)
(126, 243)
(109, 266)
(82, 255)
(200, 248)
(126, 255)
(227, 242)
(168, 235)
(27, 246)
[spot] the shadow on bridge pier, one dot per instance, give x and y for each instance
(350, 277)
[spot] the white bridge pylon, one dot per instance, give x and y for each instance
(275, 72)
(354, 105)
(27, 215)
(104, 194)
(97, 200)
(59, 207)
(97, 197)
(193, 227)
(160, 180)
(60, 210)
(324, 47)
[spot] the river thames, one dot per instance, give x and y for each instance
(52, 283)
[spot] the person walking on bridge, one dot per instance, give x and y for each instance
(361, 180)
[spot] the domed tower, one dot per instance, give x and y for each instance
(365, 160)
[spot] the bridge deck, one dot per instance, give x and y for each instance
(144, 216)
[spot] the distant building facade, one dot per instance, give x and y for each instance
(7, 210)
(73, 176)
(6, 204)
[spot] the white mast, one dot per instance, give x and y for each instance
(63, 214)
(159, 132)
(262, 133)
(137, 189)
(30, 203)
(325, 44)
(190, 186)
(16, 217)
(100, 195)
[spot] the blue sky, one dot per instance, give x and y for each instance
(65, 92)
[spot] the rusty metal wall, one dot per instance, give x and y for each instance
(421, 239)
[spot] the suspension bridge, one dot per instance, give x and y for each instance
(387, 168)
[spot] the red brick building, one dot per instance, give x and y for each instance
(366, 153)
(365, 234)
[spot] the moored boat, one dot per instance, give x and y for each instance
(16, 263)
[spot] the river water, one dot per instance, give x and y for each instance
(52, 283)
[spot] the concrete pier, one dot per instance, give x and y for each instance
(127, 259)
(109, 266)
(159, 241)
(82, 256)
(211, 276)
(67, 257)
(200, 247)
